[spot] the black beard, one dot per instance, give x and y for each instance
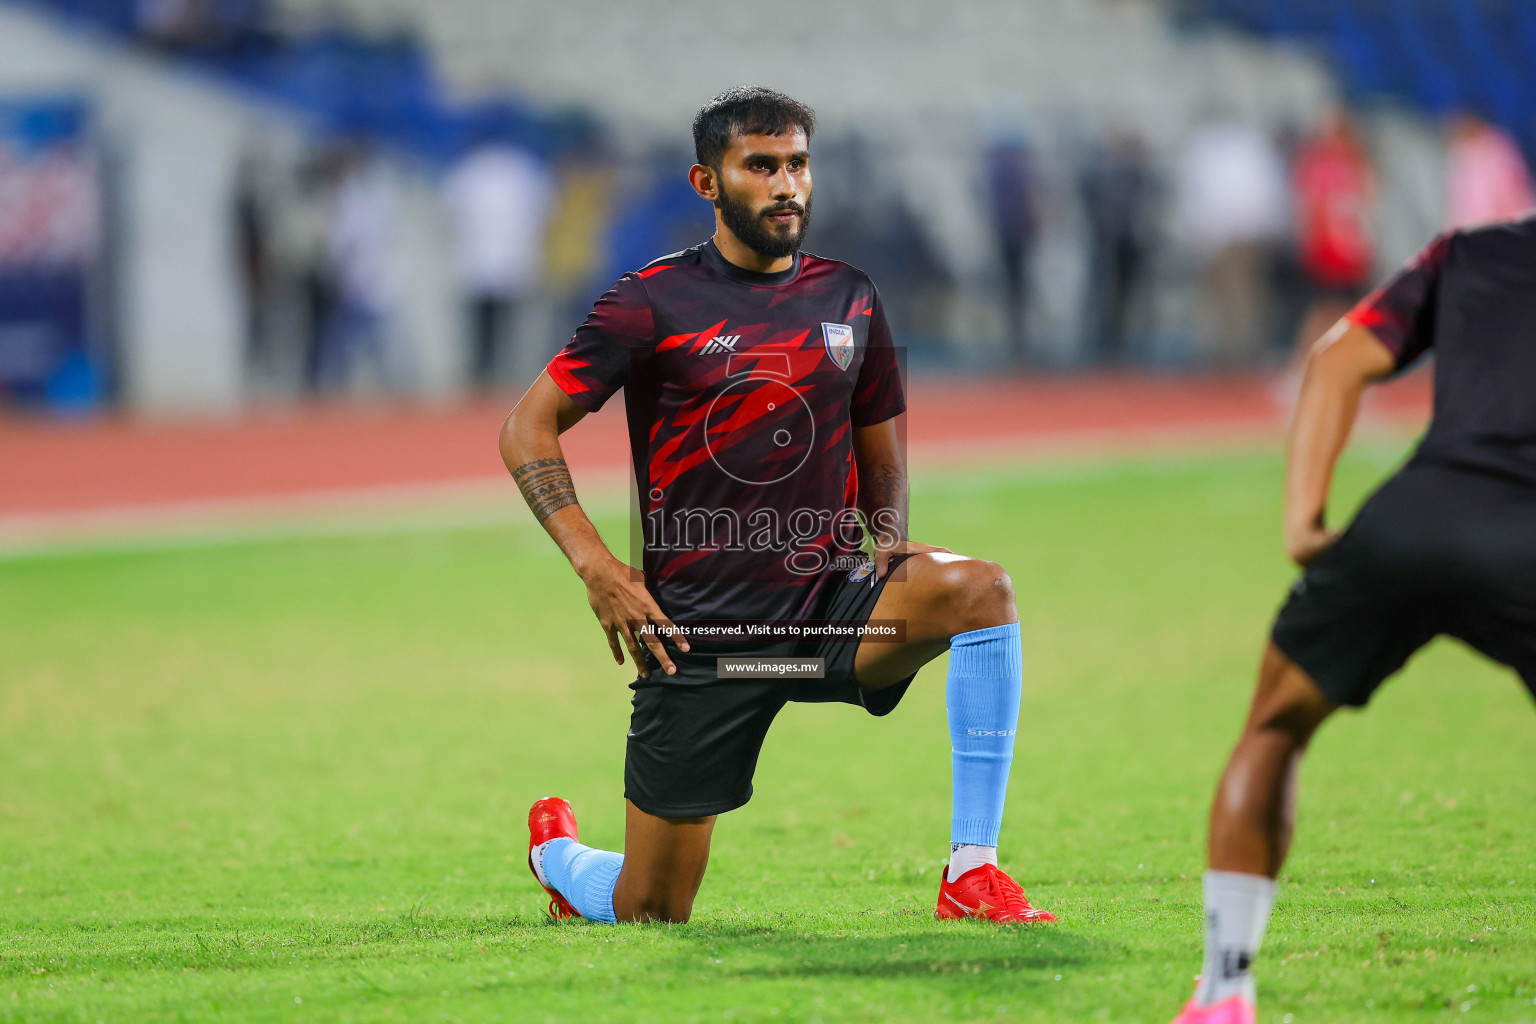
(747, 224)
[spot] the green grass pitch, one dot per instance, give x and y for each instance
(286, 781)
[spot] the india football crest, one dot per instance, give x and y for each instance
(839, 339)
(862, 572)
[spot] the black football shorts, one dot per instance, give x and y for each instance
(1435, 550)
(694, 738)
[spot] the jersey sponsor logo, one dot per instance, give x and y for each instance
(721, 343)
(839, 339)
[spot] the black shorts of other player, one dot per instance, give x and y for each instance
(694, 739)
(1437, 550)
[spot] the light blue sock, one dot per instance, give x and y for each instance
(584, 876)
(986, 672)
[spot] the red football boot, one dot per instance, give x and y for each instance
(986, 892)
(551, 818)
(1235, 1010)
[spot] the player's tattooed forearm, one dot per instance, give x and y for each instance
(546, 486)
(888, 489)
(887, 499)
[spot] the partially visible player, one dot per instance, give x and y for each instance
(1447, 545)
(762, 391)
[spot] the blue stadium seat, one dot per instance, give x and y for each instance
(387, 90)
(1442, 55)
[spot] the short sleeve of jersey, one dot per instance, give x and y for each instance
(878, 394)
(1401, 313)
(596, 362)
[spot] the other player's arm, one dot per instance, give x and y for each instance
(1339, 367)
(530, 446)
(883, 489)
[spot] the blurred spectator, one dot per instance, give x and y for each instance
(53, 235)
(1010, 189)
(499, 198)
(359, 254)
(1118, 195)
(573, 240)
(175, 24)
(862, 217)
(1232, 212)
(1488, 177)
(201, 26)
(301, 218)
(659, 213)
(1334, 188)
(254, 260)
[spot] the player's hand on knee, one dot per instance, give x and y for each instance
(883, 555)
(630, 617)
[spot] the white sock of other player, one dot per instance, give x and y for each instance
(965, 856)
(1236, 912)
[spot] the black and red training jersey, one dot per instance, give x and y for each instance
(741, 390)
(1470, 297)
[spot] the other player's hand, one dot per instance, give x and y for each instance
(1305, 542)
(624, 608)
(905, 547)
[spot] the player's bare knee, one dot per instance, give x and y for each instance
(1288, 702)
(1295, 720)
(979, 595)
(1000, 593)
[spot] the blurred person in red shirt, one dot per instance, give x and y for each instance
(1334, 188)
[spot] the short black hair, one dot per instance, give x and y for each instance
(746, 110)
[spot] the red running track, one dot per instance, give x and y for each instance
(58, 469)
